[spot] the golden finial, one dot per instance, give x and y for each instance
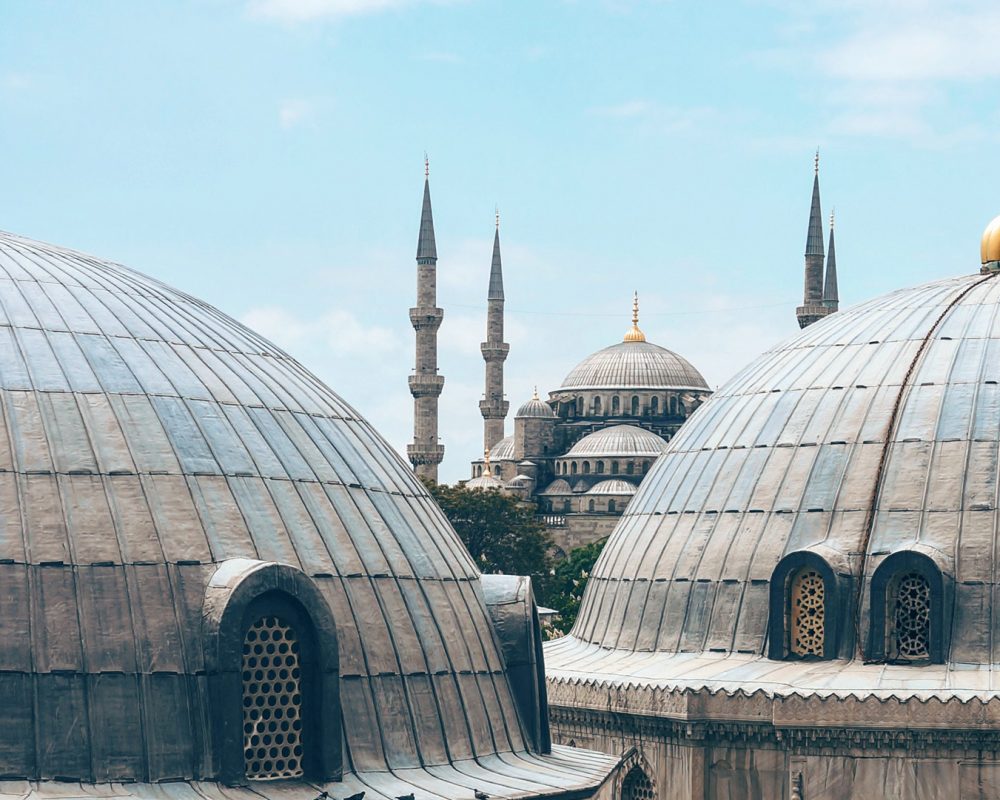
(498, 217)
(990, 247)
(535, 395)
(486, 460)
(427, 166)
(832, 212)
(634, 334)
(816, 162)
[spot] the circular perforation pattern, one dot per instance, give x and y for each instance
(272, 701)
(912, 618)
(637, 786)
(808, 598)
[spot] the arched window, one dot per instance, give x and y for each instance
(654, 406)
(590, 505)
(579, 406)
(566, 506)
(910, 639)
(637, 786)
(611, 506)
(645, 467)
(908, 605)
(673, 405)
(599, 469)
(616, 406)
(614, 467)
(586, 467)
(807, 613)
(635, 405)
(272, 701)
(573, 468)
(629, 468)
(597, 406)
(496, 469)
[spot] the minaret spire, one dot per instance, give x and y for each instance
(812, 307)
(831, 297)
(633, 334)
(425, 453)
(493, 406)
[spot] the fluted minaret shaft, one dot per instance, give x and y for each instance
(493, 406)
(425, 384)
(812, 307)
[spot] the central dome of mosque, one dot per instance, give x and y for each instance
(634, 365)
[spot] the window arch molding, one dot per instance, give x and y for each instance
(895, 566)
(779, 605)
(239, 592)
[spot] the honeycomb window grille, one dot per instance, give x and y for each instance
(272, 701)
(911, 618)
(807, 632)
(637, 786)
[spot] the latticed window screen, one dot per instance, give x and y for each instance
(637, 786)
(911, 618)
(272, 701)
(808, 621)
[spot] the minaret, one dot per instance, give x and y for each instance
(831, 298)
(812, 308)
(493, 406)
(425, 384)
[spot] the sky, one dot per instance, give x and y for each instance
(268, 157)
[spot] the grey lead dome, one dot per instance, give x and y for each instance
(891, 408)
(148, 443)
(634, 365)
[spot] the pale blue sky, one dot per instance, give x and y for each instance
(267, 155)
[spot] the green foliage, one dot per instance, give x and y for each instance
(502, 534)
(564, 589)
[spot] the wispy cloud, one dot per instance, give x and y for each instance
(340, 332)
(295, 112)
(293, 11)
(659, 118)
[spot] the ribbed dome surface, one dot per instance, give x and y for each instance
(791, 454)
(146, 437)
(503, 450)
(618, 440)
(535, 408)
(484, 481)
(634, 365)
(612, 486)
(558, 486)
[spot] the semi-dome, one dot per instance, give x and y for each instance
(613, 486)
(618, 441)
(634, 365)
(861, 454)
(535, 407)
(558, 486)
(183, 503)
(503, 450)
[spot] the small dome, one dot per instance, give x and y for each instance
(580, 487)
(520, 480)
(634, 365)
(558, 486)
(535, 407)
(503, 450)
(618, 440)
(990, 247)
(484, 482)
(613, 486)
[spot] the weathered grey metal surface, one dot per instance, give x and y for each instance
(634, 365)
(503, 450)
(785, 458)
(535, 408)
(618, 440)
(613, 486)
(144, 438)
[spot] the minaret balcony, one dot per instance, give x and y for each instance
(494, 351)
(425, 453)
(424, 317)
(426, 385)
(492, 409)
(812, 312)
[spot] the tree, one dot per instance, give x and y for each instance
(564, 589)
(502, 534)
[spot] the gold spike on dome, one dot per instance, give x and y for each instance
(634, 334)
(486, 460)
(990, 247)
(535, 395)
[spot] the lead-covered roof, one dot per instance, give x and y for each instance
(634, 365)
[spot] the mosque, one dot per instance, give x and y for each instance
(219, 582)
(579, 456)
(801, 602)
